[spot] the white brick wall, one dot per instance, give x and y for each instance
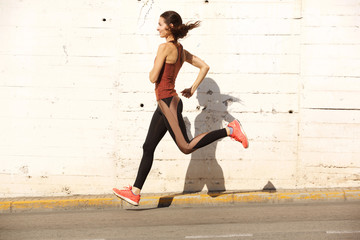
(73, 75)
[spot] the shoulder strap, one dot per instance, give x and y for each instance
(179, 48)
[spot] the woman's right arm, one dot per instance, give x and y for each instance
(159, 62)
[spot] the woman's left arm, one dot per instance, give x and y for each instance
(203, 67)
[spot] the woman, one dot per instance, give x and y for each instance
(168, 115)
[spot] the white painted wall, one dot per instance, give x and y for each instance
(73, 75)
(329, 143)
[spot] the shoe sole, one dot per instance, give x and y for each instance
(128, 200)
(243, 132)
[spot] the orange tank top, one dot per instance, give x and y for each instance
(165, 85)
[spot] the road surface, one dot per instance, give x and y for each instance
(249, 221)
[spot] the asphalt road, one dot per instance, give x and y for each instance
(250, 221)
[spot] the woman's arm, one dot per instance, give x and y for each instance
(159, 61)
(204, 68)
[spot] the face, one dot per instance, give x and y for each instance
(163, 29)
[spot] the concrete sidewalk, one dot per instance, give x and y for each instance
(14, 205)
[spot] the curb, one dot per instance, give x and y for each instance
(176, 200)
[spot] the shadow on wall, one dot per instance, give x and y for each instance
(204, 169)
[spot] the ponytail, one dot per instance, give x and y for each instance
(182, 30)
(178, 29)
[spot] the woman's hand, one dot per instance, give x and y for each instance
(187, 92)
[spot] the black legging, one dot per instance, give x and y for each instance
(168, 117)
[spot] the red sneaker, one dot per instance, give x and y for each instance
(238, 133)
(127, 195)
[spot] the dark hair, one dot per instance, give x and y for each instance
(179, 30)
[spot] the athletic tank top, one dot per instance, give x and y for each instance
(165, 85)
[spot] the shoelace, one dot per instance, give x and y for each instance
(128, 188)
(234, 139)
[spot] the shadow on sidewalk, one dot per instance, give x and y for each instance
(166, 201)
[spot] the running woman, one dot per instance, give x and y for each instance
(168, 115)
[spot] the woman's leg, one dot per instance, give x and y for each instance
(155, 133)
(172, 114)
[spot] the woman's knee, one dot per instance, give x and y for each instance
(186, 149)
(148, 147)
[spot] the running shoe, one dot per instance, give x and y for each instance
(127, 195)
(238, 133)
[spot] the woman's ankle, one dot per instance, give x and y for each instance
(228, 131)
(136, 190)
